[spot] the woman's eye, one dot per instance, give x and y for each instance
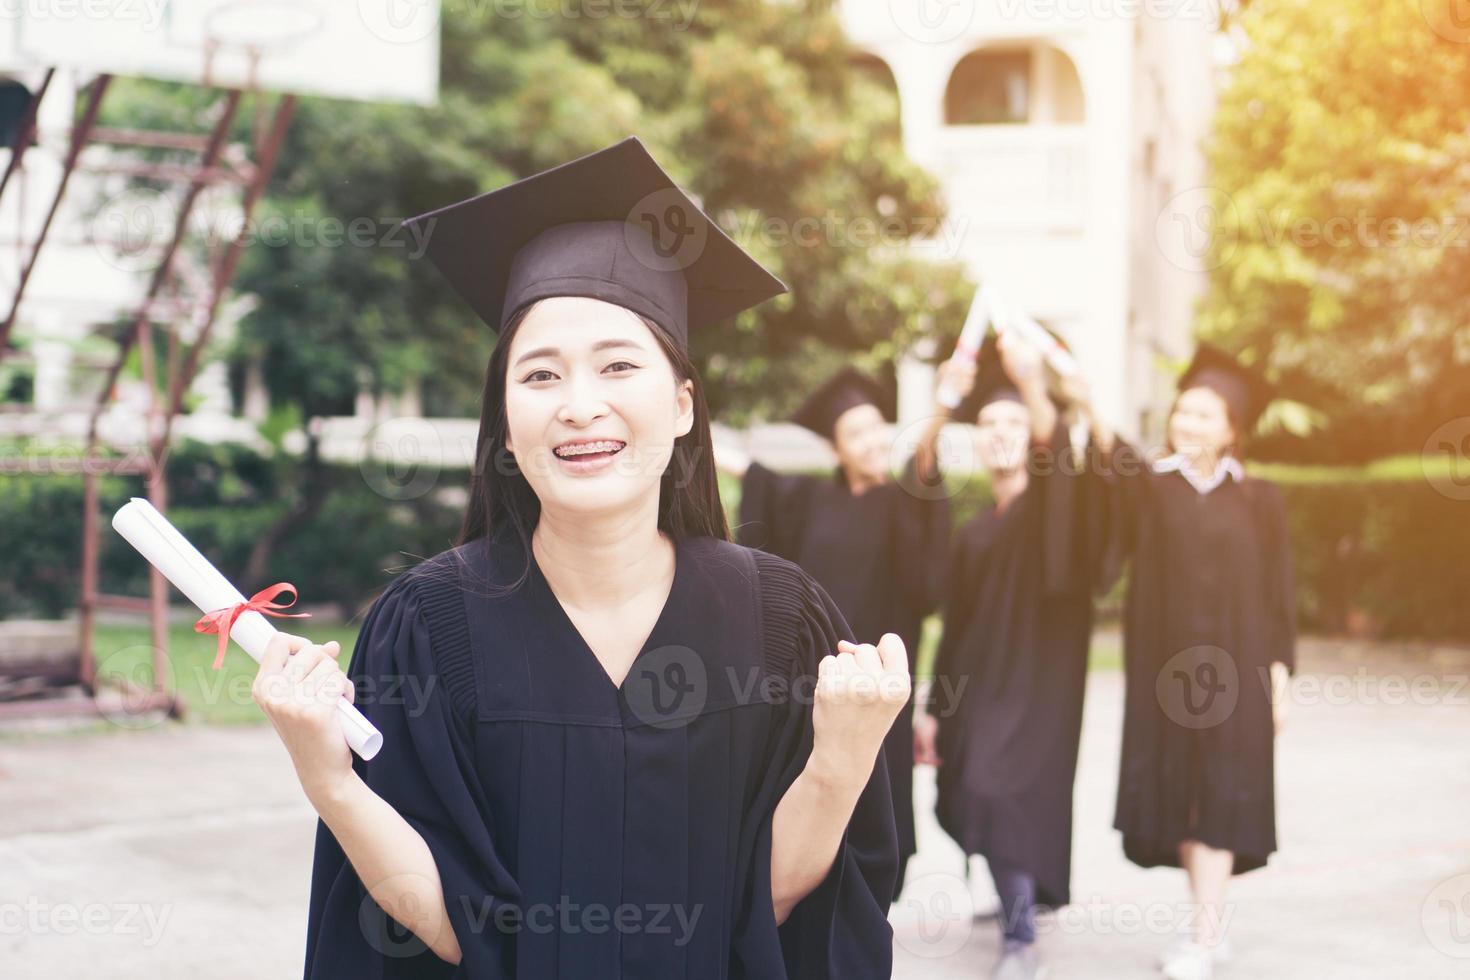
(540, 374)
(621, 366)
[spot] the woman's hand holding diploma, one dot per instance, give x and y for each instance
(297, 686)
(860, 691)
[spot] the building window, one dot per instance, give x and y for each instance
(989, 87)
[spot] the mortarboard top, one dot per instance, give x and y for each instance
(1245, 392)
(611, 225)
(846, 389)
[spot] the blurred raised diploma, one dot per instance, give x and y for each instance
(968, 346)
(1060, 359)
(192, 574)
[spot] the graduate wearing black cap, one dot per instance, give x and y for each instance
(875, 543)
(1012, 662)
(1209, 644)
(606, 752)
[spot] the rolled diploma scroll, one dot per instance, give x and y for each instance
(191, 573)
(968, 346)
(1035, 334)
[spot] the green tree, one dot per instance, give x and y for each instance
(753, 105)
(1342, 250)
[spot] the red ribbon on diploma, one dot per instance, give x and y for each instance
(221, 621)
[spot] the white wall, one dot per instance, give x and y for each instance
(1057, 214)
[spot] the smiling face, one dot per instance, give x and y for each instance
(860, 437)
(1005, 432)
(592, 407)
(1200, 423)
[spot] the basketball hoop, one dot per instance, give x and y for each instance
(256, 28)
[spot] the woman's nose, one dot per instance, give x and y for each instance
(584, 403)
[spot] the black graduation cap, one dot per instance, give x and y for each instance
(1245, 392)
(846, 389)
(992, 384)
(611, 225)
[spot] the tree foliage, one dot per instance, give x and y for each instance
(1342, 246)
(753, 106)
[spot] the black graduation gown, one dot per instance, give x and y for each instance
(588, 831)
(1012, 669)
(879, 555)
(1210, 607)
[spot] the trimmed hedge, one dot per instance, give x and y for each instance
(1378, 550)
(222, 499)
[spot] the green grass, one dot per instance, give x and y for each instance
(219, 697)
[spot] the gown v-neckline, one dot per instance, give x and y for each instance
(560, 612)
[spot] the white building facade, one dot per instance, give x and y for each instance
(1061, 132)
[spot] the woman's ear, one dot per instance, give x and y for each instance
(684, 398)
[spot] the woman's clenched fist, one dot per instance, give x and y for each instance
(860, 691)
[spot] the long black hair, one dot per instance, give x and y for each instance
(502, 501)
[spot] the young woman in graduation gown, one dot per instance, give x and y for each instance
(1012, 663)
(615, 743)
(1209, 646)
(868, 538)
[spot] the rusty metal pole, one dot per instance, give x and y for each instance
(158, 586)
(266, 155)
(79, 136)
(157, 490)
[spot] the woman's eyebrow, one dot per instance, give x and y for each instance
(600, 345)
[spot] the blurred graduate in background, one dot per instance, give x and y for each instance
(1017, 627)
(1210, 639)
(874, 543)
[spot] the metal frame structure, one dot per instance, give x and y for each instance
(167, 394)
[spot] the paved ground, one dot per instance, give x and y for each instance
(183, 851)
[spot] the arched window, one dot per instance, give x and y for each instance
(990, 87)
(1032, 84)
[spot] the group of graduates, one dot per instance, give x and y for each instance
(576, 780)
(1209, 622)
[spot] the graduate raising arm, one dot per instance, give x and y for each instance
(868, 535)
(1023, 365)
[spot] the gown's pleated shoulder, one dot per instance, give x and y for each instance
(437, 588)
(799, 622)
